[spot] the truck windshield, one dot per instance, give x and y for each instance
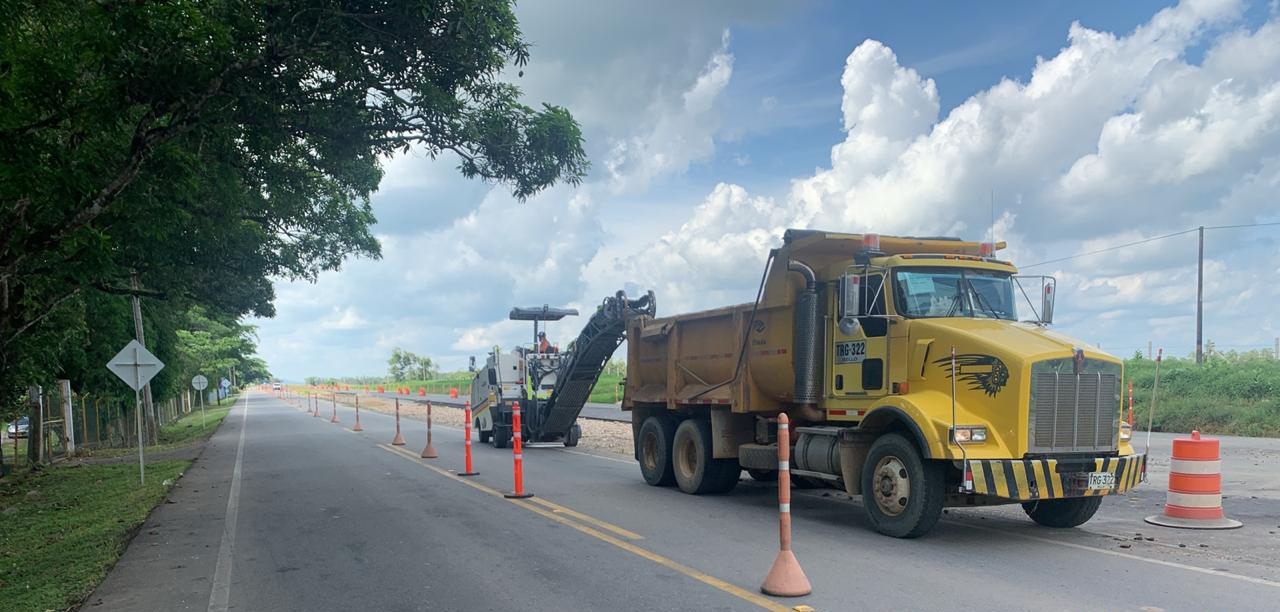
(954, 292)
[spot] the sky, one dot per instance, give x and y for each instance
(714, 126)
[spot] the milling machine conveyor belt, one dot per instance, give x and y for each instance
(591, 351)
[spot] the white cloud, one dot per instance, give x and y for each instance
(344, 319)
(1113, 139)
(678, 134)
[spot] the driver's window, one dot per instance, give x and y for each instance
(871, 292)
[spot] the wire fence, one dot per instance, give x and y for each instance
(79, 423)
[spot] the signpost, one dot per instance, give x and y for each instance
(135, 365)
(226, 387)
(199, 383)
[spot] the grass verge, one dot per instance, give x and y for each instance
(185, 431)
(64, 527)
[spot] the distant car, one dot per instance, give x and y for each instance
(275, 386)
(19, 428)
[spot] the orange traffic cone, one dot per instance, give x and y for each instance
(785, 578)
(357, 426)
(399, 439)
(429, 452)
(1195, 487)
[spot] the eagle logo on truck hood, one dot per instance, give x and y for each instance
(981, 372)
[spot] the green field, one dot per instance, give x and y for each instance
(1230, 395)
(64, 527)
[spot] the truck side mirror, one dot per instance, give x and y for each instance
(1047, 289)
(850, 303)
(493, 377)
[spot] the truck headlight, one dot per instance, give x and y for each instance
(1126, 431)
(969, 434)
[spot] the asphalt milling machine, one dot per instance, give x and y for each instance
(551, 385)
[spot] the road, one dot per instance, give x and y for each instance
(289, 512)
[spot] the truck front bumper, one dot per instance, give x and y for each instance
(1031, 479)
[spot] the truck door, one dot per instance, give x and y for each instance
(860, 359)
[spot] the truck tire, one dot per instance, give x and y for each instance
(902, 493)
(763, 475)
(484, 435)
(500, 436)
(572, 436)
(1062, 513)
(697, 473)
(654, 450)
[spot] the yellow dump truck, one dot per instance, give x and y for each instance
(907, 374)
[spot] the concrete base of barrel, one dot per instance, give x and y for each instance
(1182, 523)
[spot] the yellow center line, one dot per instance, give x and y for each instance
(736, 591)
(630, 535)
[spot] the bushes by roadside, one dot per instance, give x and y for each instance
(1229, 394)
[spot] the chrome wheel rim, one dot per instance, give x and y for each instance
(892, 486)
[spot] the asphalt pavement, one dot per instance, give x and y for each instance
(322, 518)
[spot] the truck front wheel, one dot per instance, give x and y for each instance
(484, 435)
(654, 444)
(1071, 512)
(697, 471)
(902, 494)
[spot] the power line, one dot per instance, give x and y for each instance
(1122, 246)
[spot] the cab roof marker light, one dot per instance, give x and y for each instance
(871, 242)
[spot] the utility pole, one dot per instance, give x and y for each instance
(1200, 301)
(1148, 349)
(1276, 354)
(149, 409)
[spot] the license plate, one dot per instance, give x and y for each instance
(1101, 480)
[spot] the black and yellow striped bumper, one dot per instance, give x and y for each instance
(1028, 479)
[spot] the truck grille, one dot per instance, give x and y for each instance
(1074, 412)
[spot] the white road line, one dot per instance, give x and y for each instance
(1183, 566)
(595, 456)
(221, 593)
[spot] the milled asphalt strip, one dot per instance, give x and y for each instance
(221, 592)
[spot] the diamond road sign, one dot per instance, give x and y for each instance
(135, 365)
(199, 382)
(225, 383)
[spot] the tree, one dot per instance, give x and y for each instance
(206, 147)
(426, 368)
(401, 364)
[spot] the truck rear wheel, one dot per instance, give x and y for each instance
(500, 436)
(1062, 512)
(902, 493)
(654, 445)
(697, 472)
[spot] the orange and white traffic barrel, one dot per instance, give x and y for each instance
(1195, 487)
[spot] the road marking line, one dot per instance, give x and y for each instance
(707, 579)
(739, 592)
(630, 535)
(626, 461)
(1174, 564)
(220, 594)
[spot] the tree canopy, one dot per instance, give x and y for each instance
(206, 147)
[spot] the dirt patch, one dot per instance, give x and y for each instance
(608, 436)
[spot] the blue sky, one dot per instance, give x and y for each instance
(712, 127)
